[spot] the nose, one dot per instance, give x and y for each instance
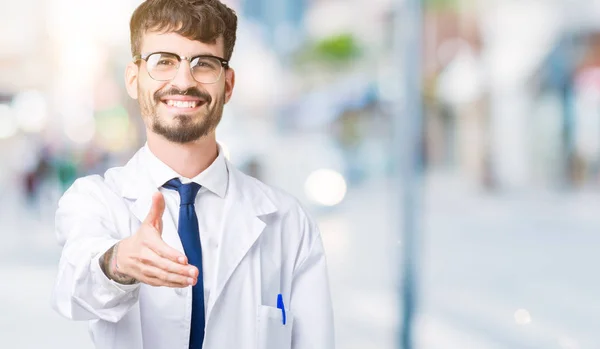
(184, 78)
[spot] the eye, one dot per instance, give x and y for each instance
(162, 60)
(165, 62)
(206, 64)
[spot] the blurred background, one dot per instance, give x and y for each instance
(507, 195)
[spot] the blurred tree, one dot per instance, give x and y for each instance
(336, 50)
(342, 47)
(441, 4)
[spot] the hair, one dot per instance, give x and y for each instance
(201, 20)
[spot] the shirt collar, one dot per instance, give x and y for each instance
(215, 178)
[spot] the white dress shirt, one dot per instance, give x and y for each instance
(209, 205)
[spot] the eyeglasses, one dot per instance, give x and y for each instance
(163, 66)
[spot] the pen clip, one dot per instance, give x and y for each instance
(281, 306)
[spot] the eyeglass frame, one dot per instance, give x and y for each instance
(223, 61)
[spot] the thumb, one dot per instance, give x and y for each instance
(154, 217)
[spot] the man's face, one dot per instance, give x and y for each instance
(181, 110)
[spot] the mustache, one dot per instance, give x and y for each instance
(192, 92)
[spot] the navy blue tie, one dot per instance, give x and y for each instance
(190, 239)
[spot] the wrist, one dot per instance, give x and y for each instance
(110, 266)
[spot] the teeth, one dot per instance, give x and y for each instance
(182, 104)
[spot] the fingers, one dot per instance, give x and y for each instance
(158, 277)
(152, 258)
(176, 268)
(165, 269)
(158, 283)
(154, 217)
(165, 251)
(148, 266)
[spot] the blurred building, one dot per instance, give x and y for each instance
(281, 21)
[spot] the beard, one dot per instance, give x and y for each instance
(188, 127)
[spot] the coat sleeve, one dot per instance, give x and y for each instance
(311, 298)
(85, 229)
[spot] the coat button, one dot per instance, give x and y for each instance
(182, 291)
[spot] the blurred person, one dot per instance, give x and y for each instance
(178, 248)
(66, 168)
(34, 178)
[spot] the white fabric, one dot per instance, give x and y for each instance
(267, 245)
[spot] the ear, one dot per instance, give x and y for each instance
(131, 79)
(229, 83)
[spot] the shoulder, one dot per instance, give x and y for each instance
(287, 205)
(113, 182)
(91, 190)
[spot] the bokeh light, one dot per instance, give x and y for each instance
(325, 187)
(8, 122)
(31, 110)
(81, 131)
(522, 317)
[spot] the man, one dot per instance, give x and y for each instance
(178, 249)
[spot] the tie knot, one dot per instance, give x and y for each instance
(187, 192)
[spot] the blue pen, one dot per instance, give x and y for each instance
(281, 306)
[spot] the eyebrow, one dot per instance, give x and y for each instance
(192, 55)
(203, 54)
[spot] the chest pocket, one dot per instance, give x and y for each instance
(272, 333)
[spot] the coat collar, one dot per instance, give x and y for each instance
(137, 184)
(213, 178)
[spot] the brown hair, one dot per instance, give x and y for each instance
(202, 20)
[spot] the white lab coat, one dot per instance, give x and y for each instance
(268, 246)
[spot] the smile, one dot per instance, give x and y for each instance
(182, 104)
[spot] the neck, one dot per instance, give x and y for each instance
(188, 159)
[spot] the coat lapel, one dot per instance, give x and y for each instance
(244, 205)
(138, 187)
